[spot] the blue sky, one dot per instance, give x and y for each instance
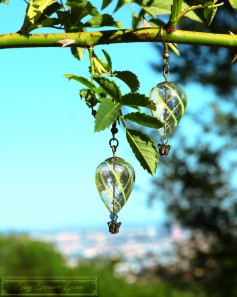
(48, 150)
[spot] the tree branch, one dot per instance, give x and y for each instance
(86, 39)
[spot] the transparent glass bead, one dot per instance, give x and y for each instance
(114, 181)
(171, 101)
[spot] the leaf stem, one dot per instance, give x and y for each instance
(187, 10)
(92, 68)
(174, 16)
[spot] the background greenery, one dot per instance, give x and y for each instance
(197, 182)
(22, 256)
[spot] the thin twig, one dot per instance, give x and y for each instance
(187, 10)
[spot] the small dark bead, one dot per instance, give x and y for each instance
(114, 130)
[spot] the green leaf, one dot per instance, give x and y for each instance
(135, 100)
(101, 20)
(110, 87)
(88, 96)
(35, 11)
(108, 59)
(78, 52)
(4, 1)
(128, 78)
(144, 149)
(209, 13)
(106, 114)
(106, 3)
(101, 93)
(120, 4)
(144, 119)
(191, 14)
(80, 9)
(233, 3)
(99, 66)
(71, 19)
(158, 7)
(81, 80)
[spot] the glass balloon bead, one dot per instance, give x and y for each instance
(171, 101)
(114, 181)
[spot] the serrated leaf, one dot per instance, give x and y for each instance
(135, 100)
(99, 65)
(128, 78)
(88, 96)
(144, 149)
(233, 3)
(157, 7)
(106, 114)
(81, 80)
(160, 7)
(80, 9)
(108, 59)
(101, 20)
(34, 16)
(144, 119)
(110, 87)
(101, 93)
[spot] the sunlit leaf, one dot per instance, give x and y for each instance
(129, 78)
(38, 15)
(160, 7)
(99, 66)
(233, 3)
(191, 14)
(110, 87)
(210, 13)
(144, 149)
(106, 114)
(135, 100)
(101, 20)
(108, 59)
(144, 119)
(81, 80)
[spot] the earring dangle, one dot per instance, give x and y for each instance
(170, 100)
(114, 181)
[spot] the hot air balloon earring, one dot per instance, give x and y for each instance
(170, 100)
(114, 181)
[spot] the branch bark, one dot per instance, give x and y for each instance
(85, 39)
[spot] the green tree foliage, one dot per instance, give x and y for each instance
(22, 256)
(101, 91)
(198, 181)
(214, 65)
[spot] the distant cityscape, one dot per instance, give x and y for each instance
(137, 248)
